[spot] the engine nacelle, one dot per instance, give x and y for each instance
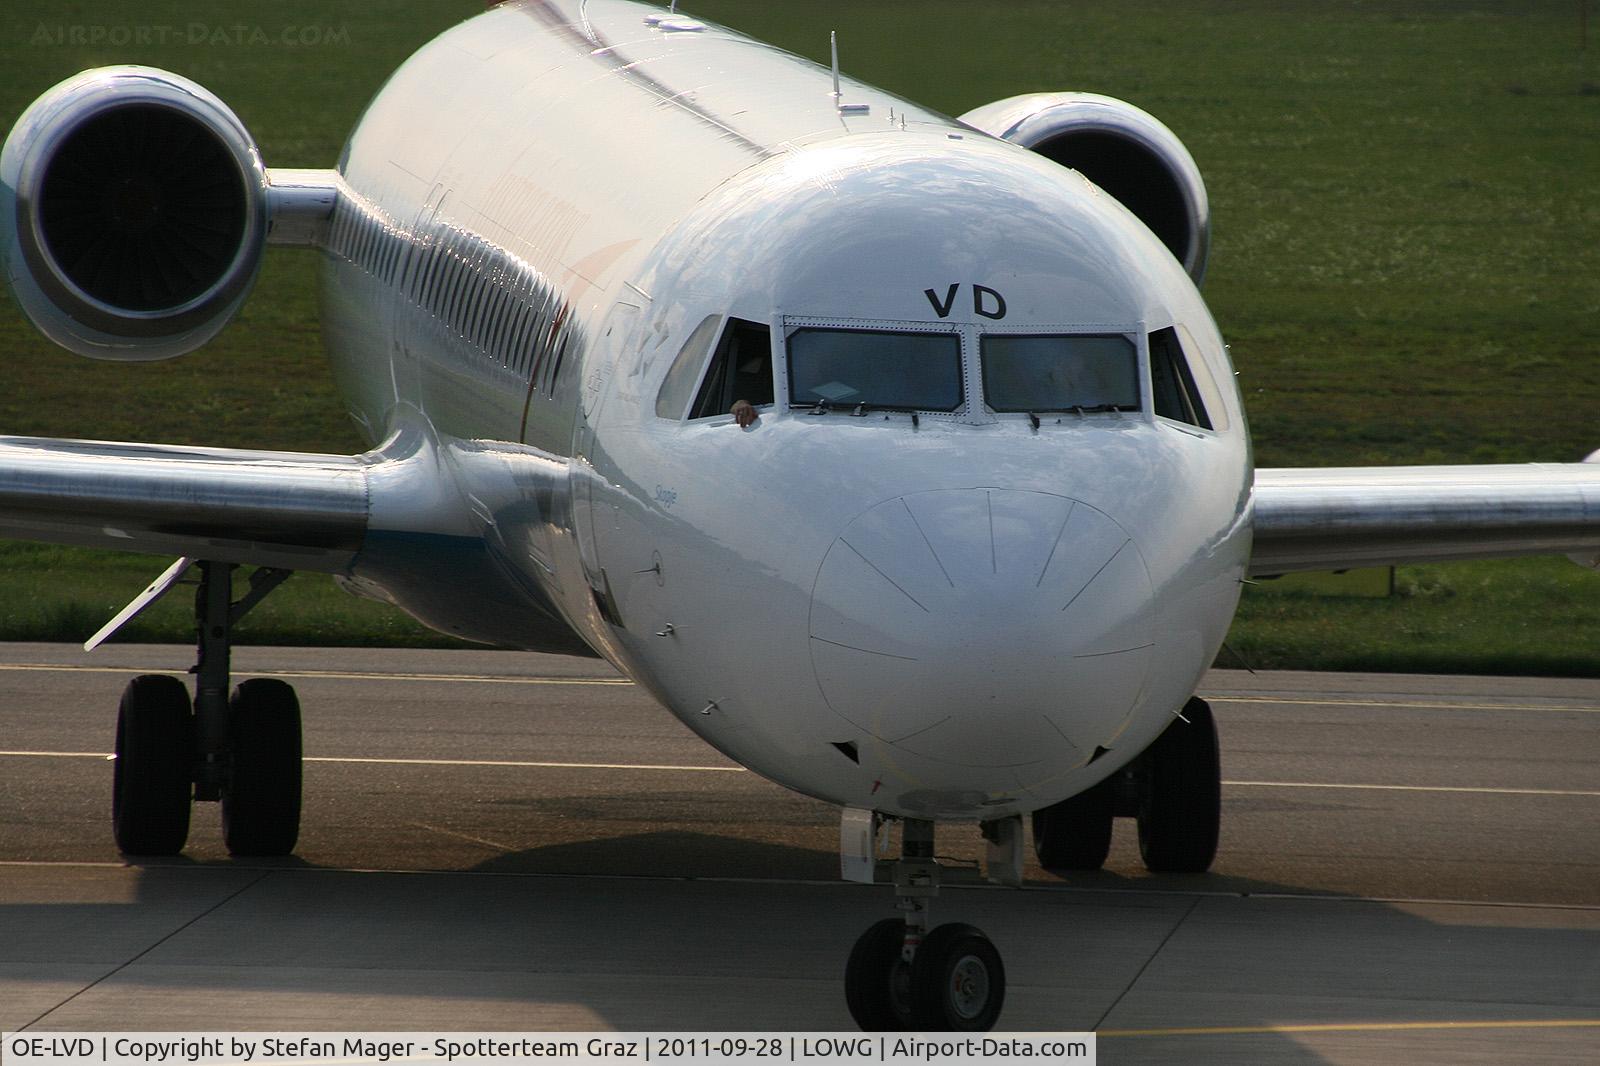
(133, 213)
(1124, 151)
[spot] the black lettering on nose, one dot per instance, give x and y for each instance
(942, 309)
(978, 293)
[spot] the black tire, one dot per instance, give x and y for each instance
(958, 983)
(1180, 810)
(1075, 834)
(261, 802)
(877, 982)
(153, 777)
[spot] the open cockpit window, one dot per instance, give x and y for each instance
(1060, 372)
(1176, 396)
(684, 372)
(874, 369)
(741, 369)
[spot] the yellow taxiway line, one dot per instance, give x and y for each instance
(1350, 1027)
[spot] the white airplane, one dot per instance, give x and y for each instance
(897, 456)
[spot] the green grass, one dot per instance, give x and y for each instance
(66, 594)
(1524, 617)
(1406, 259)
(263, 383)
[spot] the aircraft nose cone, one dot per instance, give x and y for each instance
(984, 627)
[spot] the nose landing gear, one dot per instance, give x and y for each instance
(901, 976)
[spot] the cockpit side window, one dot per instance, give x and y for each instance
(1060, 372)
(1176, 396)
(685, 370)
(741, 369)
(1199, 365)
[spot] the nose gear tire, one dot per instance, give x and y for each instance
(877, 981)
(958, 982)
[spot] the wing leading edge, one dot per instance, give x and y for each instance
(280, 509)
(1338, 518)
(393, 520)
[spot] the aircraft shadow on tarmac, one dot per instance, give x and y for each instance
(566, 930)
(612, 919)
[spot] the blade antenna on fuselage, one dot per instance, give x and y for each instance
(838, 92)
(833, 45)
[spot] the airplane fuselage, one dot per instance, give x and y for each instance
(964, 605)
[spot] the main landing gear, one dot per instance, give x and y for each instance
(901, 976)
(1173, 790)
(243, 749)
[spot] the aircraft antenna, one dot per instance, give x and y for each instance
(833, 42)
(838, 93)
(657, 18)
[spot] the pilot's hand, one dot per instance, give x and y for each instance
(743, 413)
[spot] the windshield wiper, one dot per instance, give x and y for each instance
(1099, 408)
(866, 407)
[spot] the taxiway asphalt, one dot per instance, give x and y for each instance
(1409, 872)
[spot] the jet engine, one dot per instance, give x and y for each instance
(1123, 150)
(133, 213)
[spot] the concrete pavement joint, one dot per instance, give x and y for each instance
(148, 949)
(1187, 914)
(1027, 885)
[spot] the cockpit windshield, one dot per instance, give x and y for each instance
(1065, 372)
(876, 368)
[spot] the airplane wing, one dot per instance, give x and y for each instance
(1339, 518)
(281, 509)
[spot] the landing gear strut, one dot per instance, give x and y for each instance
(901, 976)
(1173, 790)
(243, 749)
